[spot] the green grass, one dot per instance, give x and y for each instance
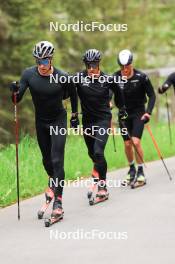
(33, 178)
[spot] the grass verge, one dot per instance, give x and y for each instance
(33, 179)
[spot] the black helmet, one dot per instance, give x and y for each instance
(43, 49)
(125, 57)
(92, 55)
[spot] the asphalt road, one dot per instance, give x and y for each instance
(132, 227)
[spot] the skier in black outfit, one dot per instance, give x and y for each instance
(134, 93)
(49, 111)
(167, 84)
(96, 113)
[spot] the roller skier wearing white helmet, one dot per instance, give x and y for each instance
(134, 92)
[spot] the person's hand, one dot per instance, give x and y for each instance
(14, 87)
(162, 90)
(146, 117)
(123, 115)
(74, 121)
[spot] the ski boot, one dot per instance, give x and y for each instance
(49, 194)
(101, 194)
(140, 179)
(130, 176)
(57, 213)
(93, 188)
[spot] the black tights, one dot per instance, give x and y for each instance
(95, 147)
(52, 148)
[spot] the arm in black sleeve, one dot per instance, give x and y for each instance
(169, 81)
(150, 93)
(118, 96)
(110, 94)
(23, 85)
(72, 93)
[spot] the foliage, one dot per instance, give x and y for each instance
(150, 36)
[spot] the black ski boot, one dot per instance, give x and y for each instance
(130, 176)
(57, 213)
(49, 194)
(140, 178)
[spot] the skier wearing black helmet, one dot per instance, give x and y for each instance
(96, 117)
(49, 111)
(134, 93)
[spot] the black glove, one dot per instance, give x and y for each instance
(162, 90)
(122, 114)
(14, 87)
(74, 121)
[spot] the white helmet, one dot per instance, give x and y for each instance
(43, 49)
(125, 57)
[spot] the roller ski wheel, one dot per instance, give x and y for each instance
(49, 194)
(53, 220)
(97, 200)
(130, 176)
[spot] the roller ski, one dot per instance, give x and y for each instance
(49, 194)
(130, 176)
(100, 194)
(139, 180)
(57, 214)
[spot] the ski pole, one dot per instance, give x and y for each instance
(17, 154)
(92, 136)
(169, 122)
(89, 135)
(158, 151)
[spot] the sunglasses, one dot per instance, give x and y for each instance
(45, 61)
(93, 65)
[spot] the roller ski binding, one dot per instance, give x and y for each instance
(140, 179)
(130, 176)
(57, 213)
(49, 194)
